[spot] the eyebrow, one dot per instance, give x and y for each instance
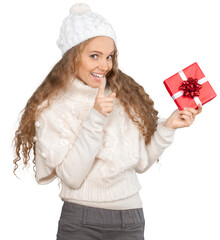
(100, 52)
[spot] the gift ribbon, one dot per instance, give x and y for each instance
(180, 93)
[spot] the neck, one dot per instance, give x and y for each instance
(82, 92)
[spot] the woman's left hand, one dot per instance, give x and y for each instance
(184, 118)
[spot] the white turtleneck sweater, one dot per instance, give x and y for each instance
(97, 158)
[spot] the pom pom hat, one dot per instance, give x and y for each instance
(82, 24)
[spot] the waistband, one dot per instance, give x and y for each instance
(133, 201)
(102, 217)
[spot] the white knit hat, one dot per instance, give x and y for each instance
(82, 24)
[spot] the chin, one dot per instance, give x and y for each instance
(95, 86)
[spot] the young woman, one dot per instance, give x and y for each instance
(93, 127)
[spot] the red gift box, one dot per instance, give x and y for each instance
(189, 87)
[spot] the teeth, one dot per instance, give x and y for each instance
(97, 75)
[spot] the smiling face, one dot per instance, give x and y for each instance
(96, 60)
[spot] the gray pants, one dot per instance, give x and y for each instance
(88, 223)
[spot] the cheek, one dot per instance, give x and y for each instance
(85, 65)
(110, 66)
(84, 69)
(89, 66)
(80, 71)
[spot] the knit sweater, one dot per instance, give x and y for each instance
(97, 158)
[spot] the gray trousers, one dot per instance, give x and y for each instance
(88, 223)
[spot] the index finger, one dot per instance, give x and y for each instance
(192, 110)
(101, 88)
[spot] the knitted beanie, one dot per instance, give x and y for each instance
(82, 24)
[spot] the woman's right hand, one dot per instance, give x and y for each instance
(103, 104)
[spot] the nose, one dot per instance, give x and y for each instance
(103, 65)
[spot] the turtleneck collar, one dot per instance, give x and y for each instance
(82, 92)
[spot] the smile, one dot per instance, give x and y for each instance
(97, 75)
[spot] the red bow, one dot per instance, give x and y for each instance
(190, 87)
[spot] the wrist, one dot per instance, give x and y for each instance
(168, 124)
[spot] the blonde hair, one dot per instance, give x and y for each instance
(130, 94)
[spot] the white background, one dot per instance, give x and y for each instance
(155, 40)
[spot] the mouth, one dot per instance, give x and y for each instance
(97, 75)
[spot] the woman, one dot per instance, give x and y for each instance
(93, 127)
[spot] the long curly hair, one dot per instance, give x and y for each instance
(136, 102)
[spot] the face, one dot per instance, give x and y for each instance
(96, 60)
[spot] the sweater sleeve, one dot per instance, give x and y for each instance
(67, 149)
(149, 153)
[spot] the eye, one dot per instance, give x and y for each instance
(94, 56)
(110, 56)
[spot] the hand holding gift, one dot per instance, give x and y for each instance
(183, 118)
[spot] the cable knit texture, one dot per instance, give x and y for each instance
(97, 158)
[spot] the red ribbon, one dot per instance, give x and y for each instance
(191, 87)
